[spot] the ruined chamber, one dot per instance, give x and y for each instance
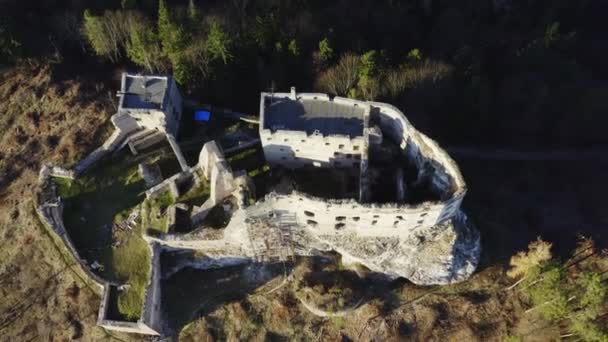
(365, 183)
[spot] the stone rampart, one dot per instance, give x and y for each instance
(365, 219)
(49, 209)
(420, 149)
(151, 311)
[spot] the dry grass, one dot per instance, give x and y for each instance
(43, 296)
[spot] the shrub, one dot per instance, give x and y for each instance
(293, 47)
(325, 50)
(109, 34)
(538, 252)
(546, 288)
(341, 78)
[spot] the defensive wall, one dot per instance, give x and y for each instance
(296, 148)
(49, 209)
(150, 321)
(325, 216)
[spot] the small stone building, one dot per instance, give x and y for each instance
(149, 102)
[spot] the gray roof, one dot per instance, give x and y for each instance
(309, 115)
(146, 92)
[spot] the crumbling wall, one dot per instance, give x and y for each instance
(421, 149)
(49, 209)
(366, 219)
(173, 108)
(215, 168)
(105, 322)
(170, 185)
(124, 127)
(151, 312)
(296, 149)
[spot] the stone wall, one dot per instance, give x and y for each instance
(49, 209)
(217, 171)
(296, 149)
(105, 322)
(170, 185)
(123, 129)
(420, 149)
(339, 216)
(151, 312)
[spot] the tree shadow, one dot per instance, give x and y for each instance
(189, 293)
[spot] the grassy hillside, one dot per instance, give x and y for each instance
(43, 120)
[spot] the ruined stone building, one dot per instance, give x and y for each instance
(357, 179)
(350, 176)
(150, 102)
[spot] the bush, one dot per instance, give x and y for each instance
(325, 50)
(538, 252)
(547, 291)
(109, 34)
(341, 78)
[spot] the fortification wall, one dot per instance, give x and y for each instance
(296, 149)
(340, 216)
(420, 149)
(216, 169)
(49, 209)
(124, 127)
(151, 311)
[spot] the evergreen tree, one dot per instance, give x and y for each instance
(174, 40)
(326, 52)
(546, 287)
(293, 47)
(368, 84)
(219, 43)
(143, 47)
(96, 35)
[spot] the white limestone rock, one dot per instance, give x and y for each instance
(441, 254)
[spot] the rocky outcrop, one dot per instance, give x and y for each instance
(441, 254)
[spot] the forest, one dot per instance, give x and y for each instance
(478, 72)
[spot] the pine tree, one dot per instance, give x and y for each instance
(96, 35)
(143, 47)
(592, 295)
(174, 40)
(219, 43)
(547, 290)
(325, 50)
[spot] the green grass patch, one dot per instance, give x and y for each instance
(243, 154)
(92, 203)
(131, 263)
(259, 171)
(248, 160)
(163, 200)
(197, 195)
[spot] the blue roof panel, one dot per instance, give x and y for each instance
(202, 115)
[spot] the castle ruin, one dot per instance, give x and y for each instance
(354, 177)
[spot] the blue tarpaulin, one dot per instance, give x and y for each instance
(202, 115)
